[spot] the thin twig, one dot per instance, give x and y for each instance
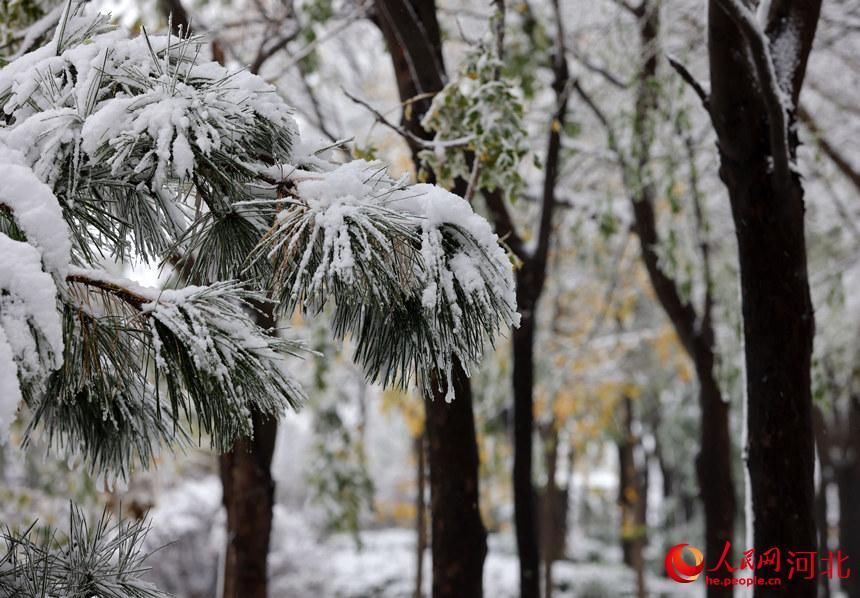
(459, 142)
(599, 70)
(828, 149)
(126, 295)
(309, 48)
(694, 83)
(636, 11)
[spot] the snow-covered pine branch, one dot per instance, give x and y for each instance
(123, 129)
(126, 148)
(112, 147)
(416, 277)
(137, 355)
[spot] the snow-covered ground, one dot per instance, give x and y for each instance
(188, 525)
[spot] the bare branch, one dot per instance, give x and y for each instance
(604, 120)
(694, 83)
(406, 134)
(636, 11)
(599, 70)
(128, 296)
(504, 224)
(264, 53)
(561, 85)
(828, 149)
(348, 20)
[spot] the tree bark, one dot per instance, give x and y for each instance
(756, 151)
(249, 493)
(552, 508)
(525, 512)
(778, 333)
(714, 466)
(530, 283)
(248, 498)
(420, 523)
(848, 480)
(459, 540)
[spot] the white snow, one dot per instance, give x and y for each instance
(37, 213)
(348, 223)
(28, 302)
(785, 52)
(10, 393)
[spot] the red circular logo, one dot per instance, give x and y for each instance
(679, 569)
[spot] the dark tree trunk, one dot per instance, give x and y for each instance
(525, 512)
(768, 209)
(547, 507)
(626, 487)
(530, 283)
(552, 508)
(714, 467)
(420, 509)
(459, 540)
(248, 498)
(713, 463)
(848, 479)
(778, 332)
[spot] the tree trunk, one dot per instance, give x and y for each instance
(525, 512)
(248, 497)
(420, 523)
(249, 493)
(552, 508)
(778, 332)
(848, 479)
(757, 143)
(714, 469)
(459, 540)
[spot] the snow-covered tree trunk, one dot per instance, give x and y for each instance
(757, 70)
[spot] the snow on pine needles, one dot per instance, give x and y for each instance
(416, 277)
(118, 148)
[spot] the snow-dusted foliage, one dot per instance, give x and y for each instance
(416, 277)
(482, 107)
(105, 559)
(33, 235)
(118, 147)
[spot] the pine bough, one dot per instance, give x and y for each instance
(120, 149)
